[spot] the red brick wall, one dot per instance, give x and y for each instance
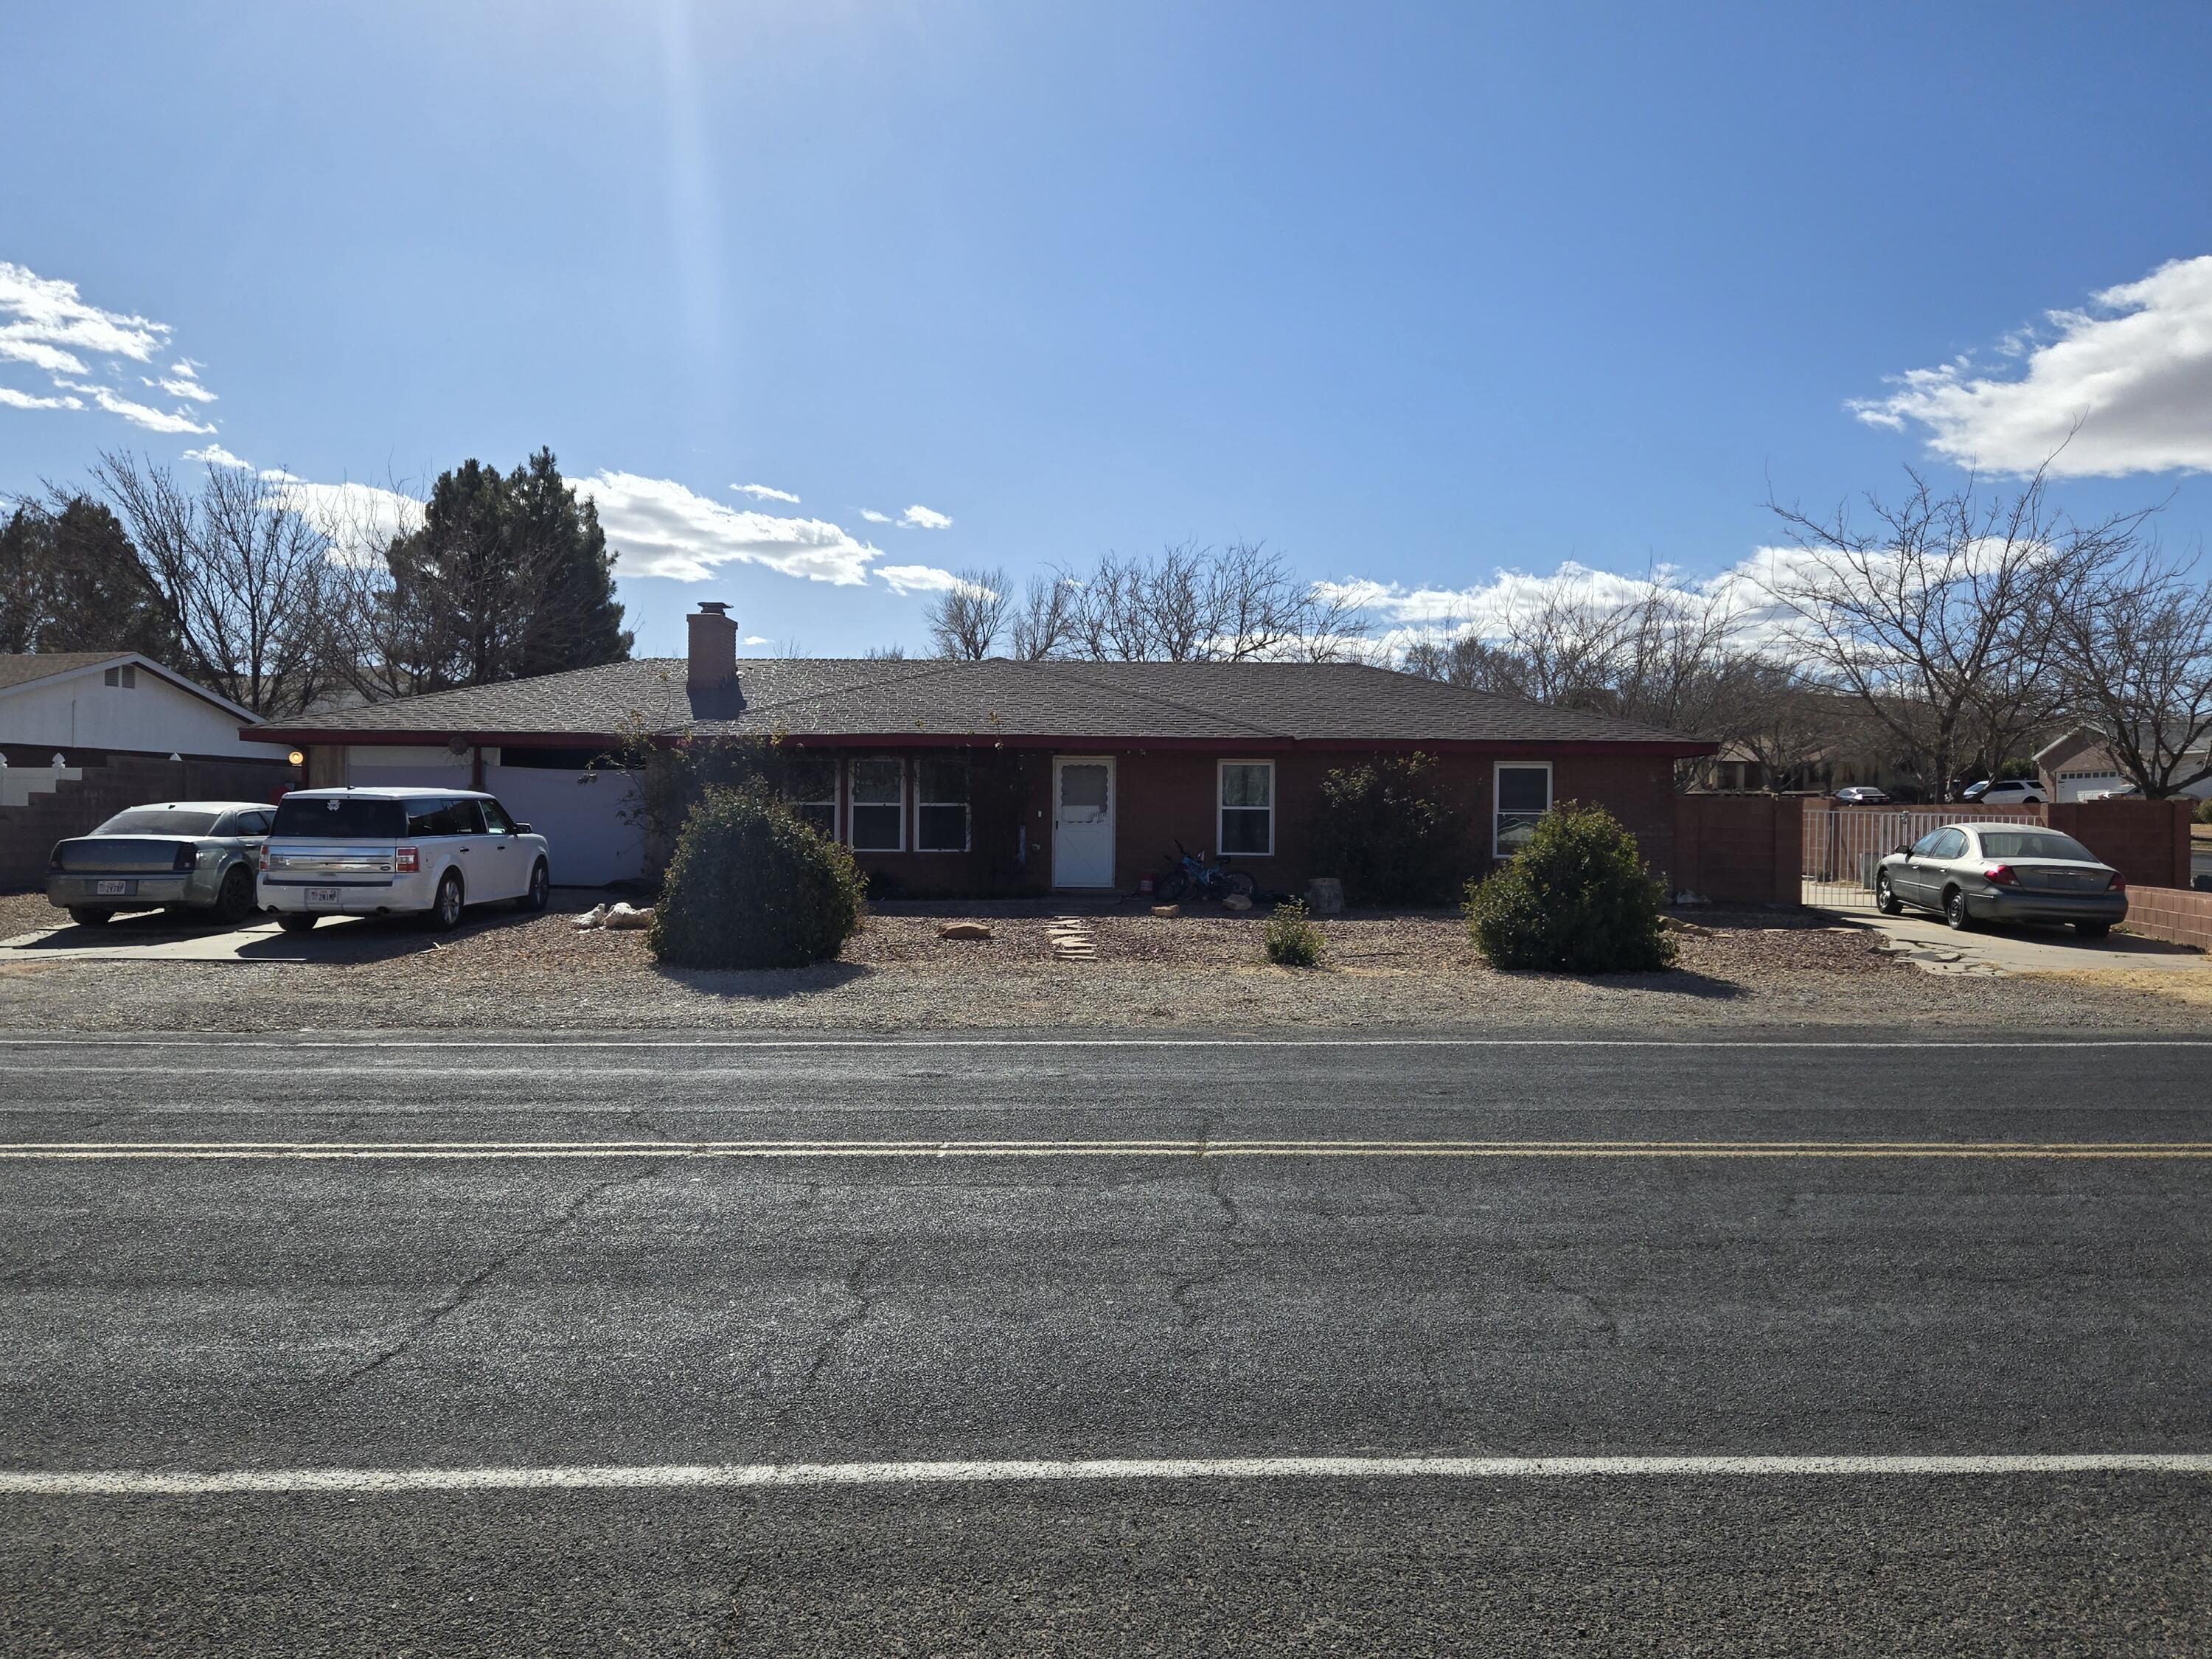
(1740, 850)
(2176, 915)
(2146, 841)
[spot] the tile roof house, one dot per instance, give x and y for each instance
(1003, 776)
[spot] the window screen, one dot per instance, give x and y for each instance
(1248, 808)
(1524, 795)
(811, 787)
(941, 806)
(879, 806)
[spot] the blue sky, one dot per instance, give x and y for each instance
(1418, 294)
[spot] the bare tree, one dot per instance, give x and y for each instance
(2136, 644)
(1194, 604)
(245, 578)
(1045, 620)
(1940, 616)
(966, 619)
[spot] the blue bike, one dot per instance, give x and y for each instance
(1197, 879)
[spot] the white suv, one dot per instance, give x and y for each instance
(2009, 791)
(378, 852)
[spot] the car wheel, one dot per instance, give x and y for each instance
(233, 900)
(296, 921)
(1885, 897)
(2093, 929)
(541, 889)
(84, 916)
(446, 912)
(1955, 910)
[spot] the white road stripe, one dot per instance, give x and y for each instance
(150, 1483)
(556, 1039)
(82, 1151)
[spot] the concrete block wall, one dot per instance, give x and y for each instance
(2146, 841)
(75, 807)
(2178, 916)
(1737, 849)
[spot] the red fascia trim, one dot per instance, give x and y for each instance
(1681, 749)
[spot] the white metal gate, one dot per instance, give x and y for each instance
(1844, 845)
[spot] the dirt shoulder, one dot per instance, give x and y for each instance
(1203, 971)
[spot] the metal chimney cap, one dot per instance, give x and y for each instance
(715, 607)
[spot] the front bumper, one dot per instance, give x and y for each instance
(79, 889)
(1997, 905)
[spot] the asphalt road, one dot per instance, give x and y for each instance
(618, 1291)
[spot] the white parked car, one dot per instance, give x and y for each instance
(407, 852)
(2006, 792)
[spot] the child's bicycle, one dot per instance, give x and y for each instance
(1195, 877)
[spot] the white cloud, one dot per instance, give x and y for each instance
(765, 493)
(659, 528)
(361, 519)
(875, 517)
(917, 579)
(216, 455)
(14, 399)
(145, 415)
(759, 639)
(2133, 373)
(44, 309)
(918, 517)
(39, 355)
(182, 387)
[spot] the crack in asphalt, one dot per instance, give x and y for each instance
(465, 1292)
(864, 1300)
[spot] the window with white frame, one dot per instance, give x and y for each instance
(1247, 809)
(811, 787)
(940, 806)
(878, 815)
(1522, 792)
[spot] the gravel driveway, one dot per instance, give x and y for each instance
(1206, 970)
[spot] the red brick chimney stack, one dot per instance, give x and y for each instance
(713, 648)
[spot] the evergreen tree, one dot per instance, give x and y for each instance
(71, 580)
(509, 576)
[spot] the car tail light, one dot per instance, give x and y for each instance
(2118, 883)
(263, 860)
(406, 861)
(2001, 875)
(186, 857)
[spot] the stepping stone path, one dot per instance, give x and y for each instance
(1072, 939)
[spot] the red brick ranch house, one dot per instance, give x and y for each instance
(1000, 777)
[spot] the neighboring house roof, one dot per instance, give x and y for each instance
(2081, 739)
(18, 670)
(844, 699)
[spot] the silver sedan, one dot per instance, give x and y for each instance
(181, 854)
(1971, 872)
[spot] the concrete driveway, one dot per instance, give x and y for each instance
(1927, 942)
(154, 936)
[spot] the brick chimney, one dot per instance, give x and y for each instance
(713, 648)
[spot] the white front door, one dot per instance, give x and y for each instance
(1082, 820)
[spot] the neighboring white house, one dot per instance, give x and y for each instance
(2076, 766)
(117, 703)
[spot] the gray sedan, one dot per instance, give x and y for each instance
(1971, 872)
(183, 854)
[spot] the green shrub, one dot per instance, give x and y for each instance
(752, 886)
(1391, 832)
(2204, 814)
(1577, 896)
(1293, 939)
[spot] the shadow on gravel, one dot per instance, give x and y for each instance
(764, 984)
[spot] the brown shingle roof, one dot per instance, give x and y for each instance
(17, 669)
(847, 698)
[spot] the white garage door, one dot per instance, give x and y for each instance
(579, 813)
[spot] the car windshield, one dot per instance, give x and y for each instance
(339, 817)
(158, 821)
(2034, 844)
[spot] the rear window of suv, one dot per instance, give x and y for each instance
(335, 818)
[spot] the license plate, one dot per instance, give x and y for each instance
(322, 895)
(113, 889)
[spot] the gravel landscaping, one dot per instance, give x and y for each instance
(1206, 970)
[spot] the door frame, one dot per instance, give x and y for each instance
(1113, 812)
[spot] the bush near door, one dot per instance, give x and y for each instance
(1577, 897)
(751, 885)
(1391, 831)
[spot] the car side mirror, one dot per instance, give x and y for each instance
(522, 830)
(1902, 850)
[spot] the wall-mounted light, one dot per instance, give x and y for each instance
(297, 758)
